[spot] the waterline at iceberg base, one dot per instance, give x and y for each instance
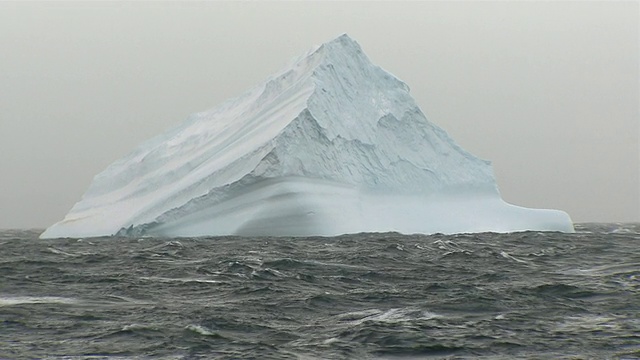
(331, 145)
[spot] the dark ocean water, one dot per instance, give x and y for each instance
(365, 296)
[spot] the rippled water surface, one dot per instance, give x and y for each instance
(363, 296)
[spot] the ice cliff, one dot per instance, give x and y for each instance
(331, 145)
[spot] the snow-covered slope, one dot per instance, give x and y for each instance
(331, 145)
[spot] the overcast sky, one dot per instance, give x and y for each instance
(548, 91)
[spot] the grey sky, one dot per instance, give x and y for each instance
(546, 90)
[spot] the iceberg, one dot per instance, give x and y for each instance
(333, 144)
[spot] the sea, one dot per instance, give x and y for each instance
(527, 295)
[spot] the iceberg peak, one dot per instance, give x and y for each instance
(340, 44)
(332, 144)
(343, 44)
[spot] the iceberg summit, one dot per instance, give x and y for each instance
(331, 145)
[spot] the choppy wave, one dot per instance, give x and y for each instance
(362, 296)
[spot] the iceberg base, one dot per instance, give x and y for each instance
(311, 207)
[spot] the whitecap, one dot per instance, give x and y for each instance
(60, 252)
(17, 300)
(395, 315)
(200, 330)
(331, 264)
(330, 340)
(357, 315)
(507, 256)
(132, 327)
(179, 280)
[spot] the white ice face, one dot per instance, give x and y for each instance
(332, 144)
